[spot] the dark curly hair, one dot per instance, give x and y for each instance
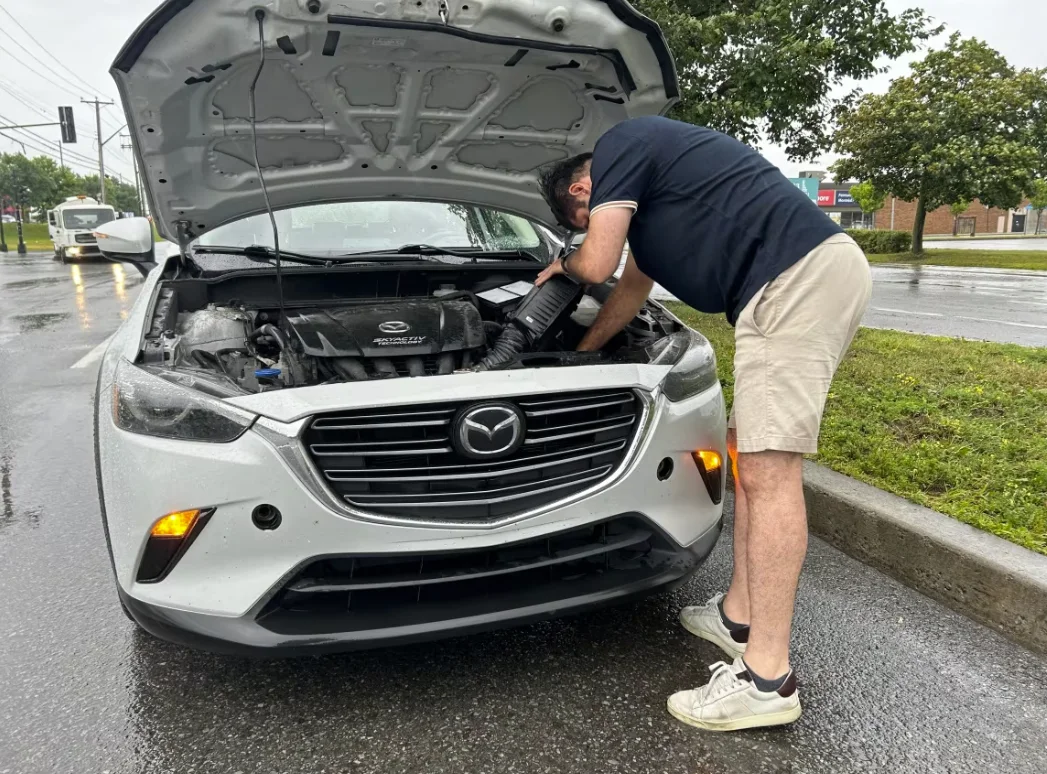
(555, 179)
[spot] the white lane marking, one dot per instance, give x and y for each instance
(958, 317)
(905, 311)
(1004, 322)
(94, 355)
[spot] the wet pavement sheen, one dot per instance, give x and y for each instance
(890, 680)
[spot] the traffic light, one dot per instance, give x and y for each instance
(65, 118)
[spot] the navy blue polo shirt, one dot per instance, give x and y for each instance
(714, 220)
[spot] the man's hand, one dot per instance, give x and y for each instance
(550, 271)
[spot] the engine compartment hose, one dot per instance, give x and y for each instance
(505, 351)
(349, 368)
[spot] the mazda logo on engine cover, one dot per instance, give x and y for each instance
(489, 430)
(394, 326)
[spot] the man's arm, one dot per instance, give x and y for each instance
(601, 252)
(628, 296)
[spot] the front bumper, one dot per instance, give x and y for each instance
(216, 595)
(251, 636)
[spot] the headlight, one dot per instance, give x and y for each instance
(74, 251)
(694, 363)
(146, 404)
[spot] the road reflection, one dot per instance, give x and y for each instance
(81, 300)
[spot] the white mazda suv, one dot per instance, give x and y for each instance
(340, 414)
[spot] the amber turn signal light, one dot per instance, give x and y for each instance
(175, 524)
(710, 467)
(169, 538)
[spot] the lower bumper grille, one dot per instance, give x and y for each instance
(401, 460)
(361, 593)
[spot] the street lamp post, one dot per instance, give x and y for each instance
(3, 242)
(18, 215)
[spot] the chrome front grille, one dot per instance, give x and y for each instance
(401, 460)
(85, 239)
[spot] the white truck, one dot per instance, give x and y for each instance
(72, 224)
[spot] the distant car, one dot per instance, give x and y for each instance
(8, 218)
(408, 444)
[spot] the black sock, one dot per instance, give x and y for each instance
(731, 625)
(762, 684)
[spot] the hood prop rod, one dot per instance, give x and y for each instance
(259, 14)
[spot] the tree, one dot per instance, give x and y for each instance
(964, 125)
(868, 197)
(120, 195)
(768, 69)
(21, 180)
(1038, 199)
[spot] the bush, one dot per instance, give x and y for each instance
(881, 241)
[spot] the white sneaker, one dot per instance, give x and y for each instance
(730, 701)
(704, 621)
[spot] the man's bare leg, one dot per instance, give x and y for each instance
(736, 601)
(777, 544)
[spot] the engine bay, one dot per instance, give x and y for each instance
(242, 346)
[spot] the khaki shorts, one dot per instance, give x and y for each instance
(789, 340)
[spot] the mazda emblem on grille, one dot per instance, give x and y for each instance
(394, 326)
(489, 430)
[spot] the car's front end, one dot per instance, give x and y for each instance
(392, 437)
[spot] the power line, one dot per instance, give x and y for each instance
(41, 139)
(47, 51)
(36, 59)
(24, 100)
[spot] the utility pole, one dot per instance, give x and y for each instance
(134, 163)
(98, 126)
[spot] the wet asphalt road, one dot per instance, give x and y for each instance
(972, 303)
(890, 680)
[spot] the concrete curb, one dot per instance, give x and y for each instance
(980, 575)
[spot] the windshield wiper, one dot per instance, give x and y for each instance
(458, 252)
(263, 254)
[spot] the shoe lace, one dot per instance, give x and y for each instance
(723, 680)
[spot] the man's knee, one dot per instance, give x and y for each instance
(769, 473)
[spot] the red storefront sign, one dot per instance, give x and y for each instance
(827, 198)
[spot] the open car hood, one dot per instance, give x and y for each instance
(454, 101)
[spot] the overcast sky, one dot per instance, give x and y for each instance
(85, 35)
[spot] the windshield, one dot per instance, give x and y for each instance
(354, 227)
(85, 218)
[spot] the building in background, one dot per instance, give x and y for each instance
(835, 200)
(978, 219)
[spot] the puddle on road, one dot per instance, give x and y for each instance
(8, 514)
(27, 323)
(33, 283)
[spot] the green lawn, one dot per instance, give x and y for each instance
(34, 234)
(957, 426)
(994, 259)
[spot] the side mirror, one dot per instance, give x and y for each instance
(128, 240)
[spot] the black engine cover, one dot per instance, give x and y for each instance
(396, 329)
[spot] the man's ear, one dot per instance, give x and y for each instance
(581, 187)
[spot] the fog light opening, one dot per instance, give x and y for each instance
(710, 467)
(169, 538)
(266, 516)
(665, 469)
